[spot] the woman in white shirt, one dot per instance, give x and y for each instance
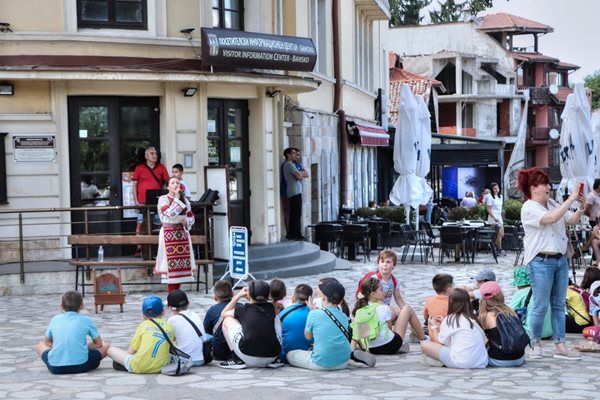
(545, 243)
(493, 205)
(462, 341)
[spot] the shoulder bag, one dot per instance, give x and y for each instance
(180, 362)
(206, 344)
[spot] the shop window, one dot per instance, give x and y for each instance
(318, 32)
(228, 14)
(112, 14)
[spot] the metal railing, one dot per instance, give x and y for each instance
(37, 231)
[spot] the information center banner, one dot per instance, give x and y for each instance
(238, 252)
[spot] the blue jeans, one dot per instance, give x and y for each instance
(549, 279)
(492, 362)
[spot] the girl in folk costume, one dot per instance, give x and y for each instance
(175, 258)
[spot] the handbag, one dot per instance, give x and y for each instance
(206, 344)
(180, 362)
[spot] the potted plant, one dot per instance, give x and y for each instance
(512, 211)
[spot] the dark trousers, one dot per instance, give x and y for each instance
(295, 227)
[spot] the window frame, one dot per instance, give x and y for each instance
(112, 22)
(221, 9)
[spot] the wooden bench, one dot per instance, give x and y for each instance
(85, 264)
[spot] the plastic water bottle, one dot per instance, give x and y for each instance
(100, 254)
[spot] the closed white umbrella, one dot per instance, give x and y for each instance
(578, 161)
(407, 189)
(596, 126)
(423, 152)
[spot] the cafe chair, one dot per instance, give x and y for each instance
(356, 236)
(487, 237)
(453, 241)
(513, 241)
(328, 236)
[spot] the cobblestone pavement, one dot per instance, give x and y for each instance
(25, 318)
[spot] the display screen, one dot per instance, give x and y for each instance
(456, 181)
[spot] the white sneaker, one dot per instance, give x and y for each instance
(430, 362)
(536, 353)
(566, 355)
(405, 348)
(412, 338)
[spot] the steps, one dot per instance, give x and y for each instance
(284, 260)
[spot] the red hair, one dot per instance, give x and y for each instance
(531, 177)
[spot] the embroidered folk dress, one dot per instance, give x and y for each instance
(175, 258)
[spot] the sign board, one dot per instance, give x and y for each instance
(217, 178)
(34, 148)
(227, 47)
(238, 252)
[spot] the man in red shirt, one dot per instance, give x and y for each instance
(147, 176)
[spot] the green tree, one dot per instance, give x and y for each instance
(406, 12)
(449, 12)
(593, 82)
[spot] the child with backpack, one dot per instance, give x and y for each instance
(372, 328)
(386, 262)
(462, 341)
(507, 339)
(577, 316)
(522, 302)
(189, 329)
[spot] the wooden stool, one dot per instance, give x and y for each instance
(108, 290)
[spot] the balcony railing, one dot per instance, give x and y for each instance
(538, 134)
(538, 95)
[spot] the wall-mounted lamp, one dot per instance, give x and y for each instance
(273, 93)
(189, 91)
(188, 32)
(6, 89)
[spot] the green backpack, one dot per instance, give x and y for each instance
(366, 326)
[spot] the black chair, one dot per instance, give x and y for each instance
(487, 237)
(426, 241)
(328, 236)
(354, 236)
(576, 258)
(453, 238)
(411, 238)
(394, 238)
(513, 241)
(377, 230)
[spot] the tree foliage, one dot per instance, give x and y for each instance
(450, 10)
(593, 82)
(406, 12)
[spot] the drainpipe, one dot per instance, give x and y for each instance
(337, 94)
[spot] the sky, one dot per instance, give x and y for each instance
(576, 33)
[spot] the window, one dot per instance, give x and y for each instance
(318, 32)
(363, 60)
(228, 14)
(554, 78)
(116, 14)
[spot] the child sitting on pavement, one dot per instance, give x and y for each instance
(437, 306)
(182, 319)
(316, 300)
(277, 295)
(329, 328)
(252, 330)
(390, 337)
(65, 349)
(213, 322)
(462, 341)
(484, 275)
(293, 320)
(148, 350)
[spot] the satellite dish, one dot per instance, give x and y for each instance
(554, 134)
(553, 89)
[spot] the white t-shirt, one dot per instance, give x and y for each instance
(496, 203)
(186, 338)
(384, 314)
(467, 345)
(547, 238)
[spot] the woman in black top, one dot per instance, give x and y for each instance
(492, 304)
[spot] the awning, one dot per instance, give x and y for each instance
(368, 135)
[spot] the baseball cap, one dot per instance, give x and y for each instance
(489, 289)
(485, 274)
(152, 306)
(594, 286)
(259, 290)
(177, 299)
(334, 291)
(521, 277)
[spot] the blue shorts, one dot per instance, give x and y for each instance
(94, 358)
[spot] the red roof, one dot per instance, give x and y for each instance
(533, 57)
(503, 22)
(561, 96)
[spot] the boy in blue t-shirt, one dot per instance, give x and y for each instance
(65, 349)
(293, 320)
(329, 327)
(223, 292)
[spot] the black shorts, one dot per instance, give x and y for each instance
(390, 347)
(94, 358)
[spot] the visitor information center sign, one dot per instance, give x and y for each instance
(238, 252)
